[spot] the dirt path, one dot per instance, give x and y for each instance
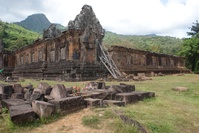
(68, 124)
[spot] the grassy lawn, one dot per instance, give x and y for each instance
(169, 112)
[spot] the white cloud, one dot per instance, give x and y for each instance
(162, 17)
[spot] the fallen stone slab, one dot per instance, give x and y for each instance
(68, 104)
(127, 88)
(12, 102)
(106, 94)
(58, 91)
(17, 96)
(6, 89)
(113, 102)
(22, 113)
(43, 109)
(133, 97)
(90, 102)
(18, 88)
(122, 88)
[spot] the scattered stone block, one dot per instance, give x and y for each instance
(36, 95)
(21, 113)
(2, 97)
(29, 86)
(7, 103)
(106, 94)
(58, 91)
(68, 104)
(6, 89)
(43, 109)
(90, 102)
(127, 88)
(127, 97)
(100, 85)
(18, 88)
(133, 97)
(17, 96)
(180, 88)
(95, 95)
(48, 98)
(45, 87)
(27, 95)
(113, 102)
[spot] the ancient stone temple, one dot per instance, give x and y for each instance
(70, 55)
(78, 54)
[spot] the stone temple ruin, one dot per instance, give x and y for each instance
(78, 54)
(73, 55)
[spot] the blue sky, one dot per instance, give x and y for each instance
(135, 17)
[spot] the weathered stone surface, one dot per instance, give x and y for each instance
(106, 94)
(17, 96)
(45, 87)
(29, 86)
(2, 97)
(36, 95)
(18, 88)
(43, 109)
(6, 89)
(180, 88)
(113, 102)
(122, 88)
(68, 104)
(58, 91)
(12, 102)
(51, 32)
(100, 85)
(21, 113)
(27, 95)
(133, 97)
(90, 102)
(127, 97)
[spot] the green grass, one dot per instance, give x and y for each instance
(92, 121)
(170, 111)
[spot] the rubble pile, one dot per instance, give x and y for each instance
(26, 104)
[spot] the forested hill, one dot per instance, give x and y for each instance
(159, 44)
(14, 36)
(37, 23)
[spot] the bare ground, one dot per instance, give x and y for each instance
(72, 123)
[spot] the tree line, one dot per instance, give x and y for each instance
(190, 48)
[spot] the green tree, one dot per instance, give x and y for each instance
(190, 48)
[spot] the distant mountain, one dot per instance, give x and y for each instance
(14, 36)
(37, 23)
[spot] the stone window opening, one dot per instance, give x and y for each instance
(22, 62)
(52, 55)
(63, 53)
(33, 57)
(27, 60)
